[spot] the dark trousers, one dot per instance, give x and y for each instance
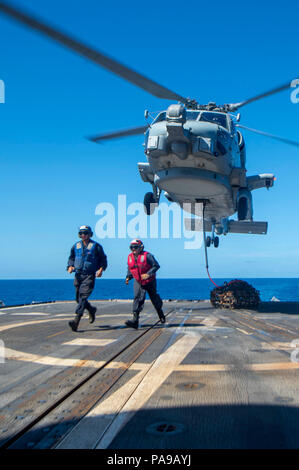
(84, 284)
(139, 297)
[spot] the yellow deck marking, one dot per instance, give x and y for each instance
(243, 331)
(276, 345)
(203, 367)
(209, 321)
(71, 314)
(228, 367)
(33, 305)
(24, 314)
(56, 334)
(62, 317)
(89, 342)
(248, 326)
(11, 354)
(27, 323)
(273, 366)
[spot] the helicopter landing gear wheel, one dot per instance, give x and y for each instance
(214, 241)
(149, 203)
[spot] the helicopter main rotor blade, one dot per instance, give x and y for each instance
(276, 137)
(107, 62)
(115, 135)
(235, 106)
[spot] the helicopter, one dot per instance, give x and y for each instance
(195, 152)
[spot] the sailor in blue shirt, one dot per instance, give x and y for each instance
(88, 260)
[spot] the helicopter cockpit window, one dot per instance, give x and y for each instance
(192, 115)
(215, 118)
(160, 117)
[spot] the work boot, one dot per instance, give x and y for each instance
(75, 323)
(133, 323)
(92, 314)
(162, 317)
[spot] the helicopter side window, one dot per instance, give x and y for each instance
(215, 118)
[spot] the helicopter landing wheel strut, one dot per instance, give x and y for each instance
(212, 240)
(149, 203)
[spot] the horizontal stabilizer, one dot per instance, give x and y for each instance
(266, 180)
(233, 226)
(247, 226)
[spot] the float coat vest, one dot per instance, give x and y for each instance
(85, 260)
(140, 266)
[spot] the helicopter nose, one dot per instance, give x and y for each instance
(180, 149)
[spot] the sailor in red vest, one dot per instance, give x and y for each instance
(142, 266)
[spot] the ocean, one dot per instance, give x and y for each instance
(18, 292)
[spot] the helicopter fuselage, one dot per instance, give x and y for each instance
(196, 156)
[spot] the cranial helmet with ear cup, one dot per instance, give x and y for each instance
(137, 243)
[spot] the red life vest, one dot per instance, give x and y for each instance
(140, 266)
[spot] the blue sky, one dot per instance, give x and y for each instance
(52, 178)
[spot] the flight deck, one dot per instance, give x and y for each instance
(206, 379)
